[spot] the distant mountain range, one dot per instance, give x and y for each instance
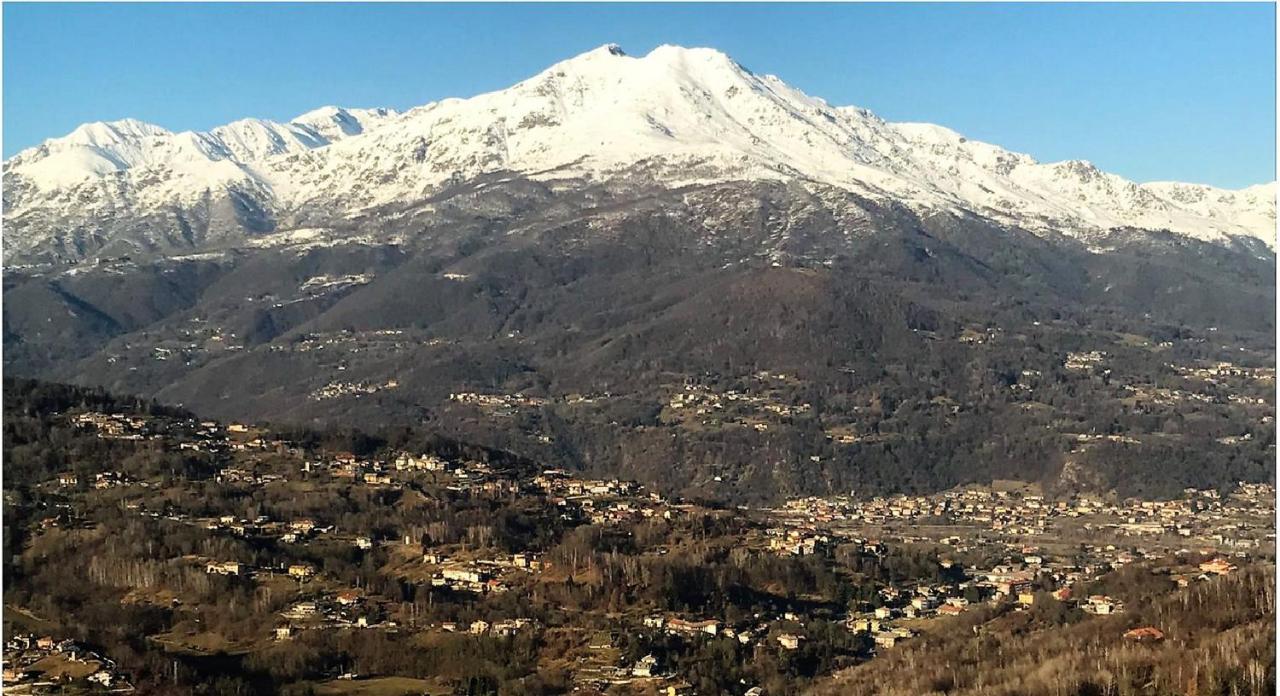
(668, 268)
(676, 117)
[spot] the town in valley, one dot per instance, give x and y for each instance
(315, 560)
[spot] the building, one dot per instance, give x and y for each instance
(302, 571)
(709, 627)
(463, 575)
(1101, 605)
(646, 666)
(224, 568)
(1145, 634)
(789, 641)
(1218, 566)
(303, 609)
(886, 639)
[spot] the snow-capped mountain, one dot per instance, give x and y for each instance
(674, 117)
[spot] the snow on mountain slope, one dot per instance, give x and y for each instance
(105, 148)
(333, 123)
(674, 116)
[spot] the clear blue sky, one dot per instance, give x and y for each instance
(1184, 92)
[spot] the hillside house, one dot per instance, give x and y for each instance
(789, 641)
(224, 568)
(886, 639)
(646, 666)
(1144, 634)
(469, 575)
(709, 626)
(1218, 566)
(1101, 605)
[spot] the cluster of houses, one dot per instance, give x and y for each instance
(43, 665)
(407, 461)
(558, 482)
(339, 389)
(479, 576)
(1258, 379)
(1199, 514)
(746, 634)
(606, 502)
(648, 674)
(1219, 371)
(701, 401)
(115, 426)
(467, 579)
(498, 404)
(301, 572)
(468, 476)
(700, 404)
(1084, 360)
(1027, 577)
(346, 340)
(291, 532)
(191, 435)
(501, 628)
(101, 480)
(343, 609)
(237, 474)
(797, 541)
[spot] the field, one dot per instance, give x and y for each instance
(378, 686)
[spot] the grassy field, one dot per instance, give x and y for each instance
(57, 666)
(379, 686)
(200, 643)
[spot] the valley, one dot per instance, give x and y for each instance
(149, 550)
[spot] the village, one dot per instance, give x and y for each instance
(999, 545)
(39, 664)
(1044, 556)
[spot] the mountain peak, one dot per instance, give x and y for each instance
(690, 54)
(602, 54)
(665, 55)
(99, 133)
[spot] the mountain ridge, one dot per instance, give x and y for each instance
(683, 115)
